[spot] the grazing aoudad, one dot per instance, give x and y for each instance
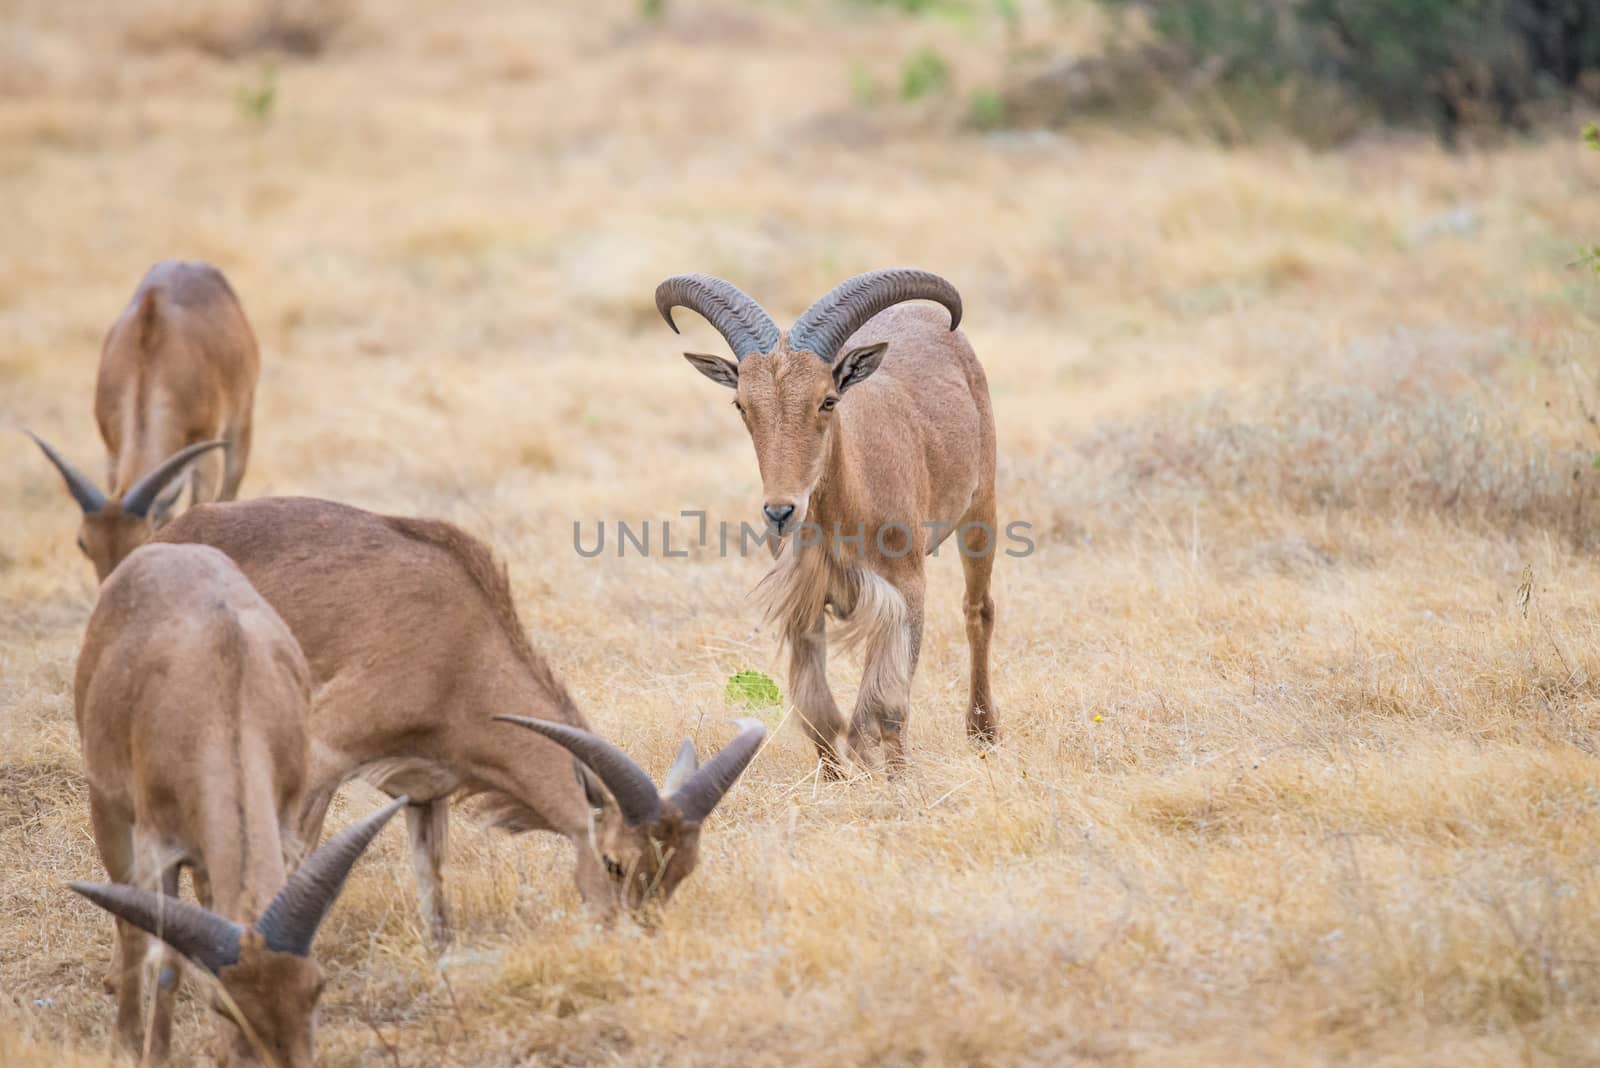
(191, 700)
(415, 648)
(177, 381)
(875, 441)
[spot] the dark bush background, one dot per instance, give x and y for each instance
(1454, 64)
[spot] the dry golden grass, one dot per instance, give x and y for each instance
(1289, 774)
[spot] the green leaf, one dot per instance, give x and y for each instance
(752, 688)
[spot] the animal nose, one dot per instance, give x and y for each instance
(778, 514)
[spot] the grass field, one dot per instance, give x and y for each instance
(1300, 689)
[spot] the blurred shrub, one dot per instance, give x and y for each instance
(1231, 69)
(230, 29)
(925, 72)
(987, 110)
(1457, 63)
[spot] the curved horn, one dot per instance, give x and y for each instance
(635, 793)
(137, 501)
(291, 921)
(828, 323)
(740, 320)
(683, 766)
(199, 934)
(705, 787)
(85, 492)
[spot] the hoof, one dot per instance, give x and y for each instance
(983, 728)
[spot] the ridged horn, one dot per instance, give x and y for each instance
(137, 501)
(828, 323)
(290, 923)
(636, 795)
(685, 764)
(697, 797)
(739, 319)
(199, 934)
(85, 492)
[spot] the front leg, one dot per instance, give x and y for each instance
(891, 636)
(813, 698)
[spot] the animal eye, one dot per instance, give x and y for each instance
(738, 407)
(83, 546)
(614, 869)
(828, 403)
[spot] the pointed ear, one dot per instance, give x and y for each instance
(857, 364)
(686, 764)
(705, 788)
(593, 792)
(166, 502)
(142, 495)
(721, 371)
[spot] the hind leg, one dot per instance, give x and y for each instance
(428, 825)
(165, 968)
(113, 837)
(813, 698)
(144, 959)
(136, 863)
(979, 541)
(127, 984)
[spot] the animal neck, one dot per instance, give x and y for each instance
(529, 782)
